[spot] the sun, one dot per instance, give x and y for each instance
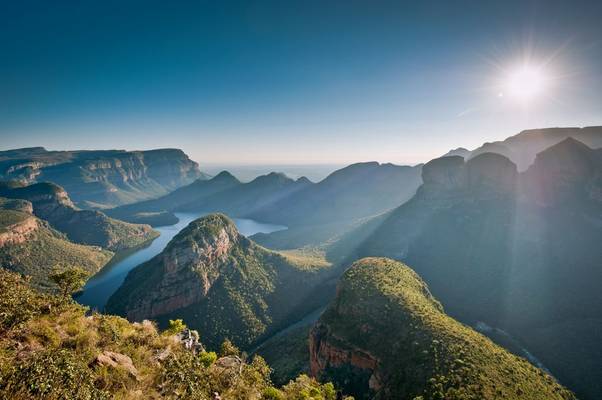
(524, 84)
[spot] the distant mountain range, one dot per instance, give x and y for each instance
(103, 178)
(523, 147)
(313, 212)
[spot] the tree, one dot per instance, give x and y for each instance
(69, 279)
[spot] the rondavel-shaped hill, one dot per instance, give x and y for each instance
(386, 337)
(519, 252)
(222, 284)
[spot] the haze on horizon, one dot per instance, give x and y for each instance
(295, 82)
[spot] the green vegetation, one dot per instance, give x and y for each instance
(523, 257)
(287, 354)
(385, 310)
(50, 349)
(43, 249)
(227, 286)
(157, 218)
(69, 280)
(51, 203)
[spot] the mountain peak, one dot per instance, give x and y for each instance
(224, 176)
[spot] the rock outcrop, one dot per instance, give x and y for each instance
(18, 232)
(221, 283)
(566, 172)
(29, 245)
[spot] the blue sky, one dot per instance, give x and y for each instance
(291, 82)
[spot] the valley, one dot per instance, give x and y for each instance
(105, 282)
(335, 282)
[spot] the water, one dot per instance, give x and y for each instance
(101, 286)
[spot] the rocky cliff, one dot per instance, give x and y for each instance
(102, 178)
(221, 283)
(52, 203)
(31, 247)
(386, 337)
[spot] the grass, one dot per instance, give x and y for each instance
(49, 348)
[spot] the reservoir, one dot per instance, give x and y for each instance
(101, 286)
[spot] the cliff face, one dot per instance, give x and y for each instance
(221, 283)
(18, 232)
(188, 268)
(52, 203)
(567, 172)
(31, 247)
(102, 178)
(386, 337)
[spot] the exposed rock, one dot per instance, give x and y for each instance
(116, 360)
(567, 171)
(190, 340)
(491, 172)
(324, 354)
(19, 232)
(102, 178)
(52, 203)
(443, 174)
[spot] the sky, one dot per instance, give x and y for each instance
(294, 82)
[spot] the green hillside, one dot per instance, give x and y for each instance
(50, 349)
(222, 284)
(386, 336)
(518, 252)
(29, 246)
(52, 203)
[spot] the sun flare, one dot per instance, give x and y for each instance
(525, 83)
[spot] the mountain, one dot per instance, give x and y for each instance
(313, 212)
(195, 192)
(51, 203)
(222, 193)
(29, 246)
(386, 337)
(52, 348)
(519, 252)
(222, 284)
(523, 147)
(353, 192)
(105, 178)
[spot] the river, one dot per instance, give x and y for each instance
(103, 284)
